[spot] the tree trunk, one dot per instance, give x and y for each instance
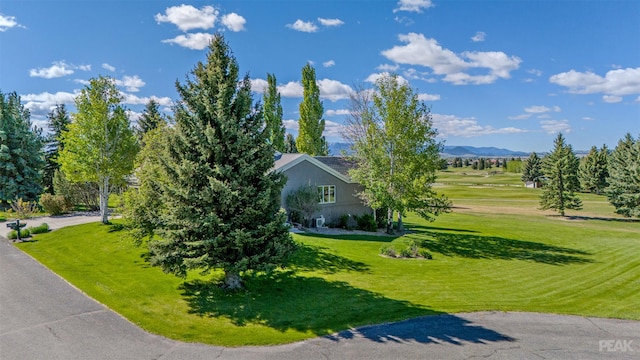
(400, 228)
(232, 280)
(104, 199)
(389, 220)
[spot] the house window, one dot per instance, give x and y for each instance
(326, 194)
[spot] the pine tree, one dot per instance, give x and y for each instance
(150, 118)
(221, 201)
(560, 169)
(311, 124)
(58, 122)
(624, 177)
(272, 109)
(593, 172)
(290, 144)
(21, 152)
(532, 169)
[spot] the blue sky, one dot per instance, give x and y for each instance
(509, 74)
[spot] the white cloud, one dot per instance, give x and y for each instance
(332, 90)
(638, 99)
(417, 75)
(233, 22)
(290, 124)
(479, 36)
(428, 97)
(557, 108)
(108, 67)
(451, 125)
(43, 103)
(330, 22)
(555, 126)
(611, 99)
(194, 41)
(131, 83)
(304, 26)
(588, 118)
(339, 112)
(292, 89)
(329, 63)
(413, 5)
(618, 82)
(58, 69)
(537, 109)
(136, 100)
(535, 72)
(387, 67)
(7, 22)
(259, 85)
(187, 17)
(375, 76)
(519, 117)
(423, 51)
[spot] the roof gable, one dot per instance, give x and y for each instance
(286, 161)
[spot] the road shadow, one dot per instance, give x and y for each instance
(445, 328)
(492, 247)
(285, 301)
(318, 258)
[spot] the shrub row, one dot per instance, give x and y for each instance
(411, 251)
(25, 233)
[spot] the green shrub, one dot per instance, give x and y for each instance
(40, 229)
(2, 218)
(23, 209)
(366, 222)
(13, 234)
(388, 250)
(406, 253)
(55, 204)
(343, 222)
(425, 254)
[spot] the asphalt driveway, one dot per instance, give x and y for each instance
(44, 317)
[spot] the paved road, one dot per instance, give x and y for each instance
(43, 317)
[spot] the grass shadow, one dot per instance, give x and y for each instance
(352, 237)
(492, 247)
(284, 301)
(612, 219)
(317, 258)
(445, 328)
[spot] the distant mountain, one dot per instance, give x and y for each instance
(337, 148)
(472, 151)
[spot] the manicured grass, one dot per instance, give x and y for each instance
(486, 257)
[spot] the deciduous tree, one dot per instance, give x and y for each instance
(311, 124)
(100, 145)
(21, 155)
(561, 183)
(221, 199)
(395, 148)
(272, 109)
(624, 177)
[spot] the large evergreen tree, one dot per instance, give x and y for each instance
(593, 170)
(624, 177)
(560, 169)
(532, 169)
(272, 109)
(21, 155)
(100, 145)
(221, 199)
(395, 148)
(58, 122)
(311, 124)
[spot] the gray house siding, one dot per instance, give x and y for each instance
(346, 201)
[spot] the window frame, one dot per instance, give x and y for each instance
(325, 193)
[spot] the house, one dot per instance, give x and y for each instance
(337, 192)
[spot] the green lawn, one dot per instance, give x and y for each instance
(496, 251)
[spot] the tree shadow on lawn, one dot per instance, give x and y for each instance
(352, 237)
(492, 247)
(284, 301)
(318, 258)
